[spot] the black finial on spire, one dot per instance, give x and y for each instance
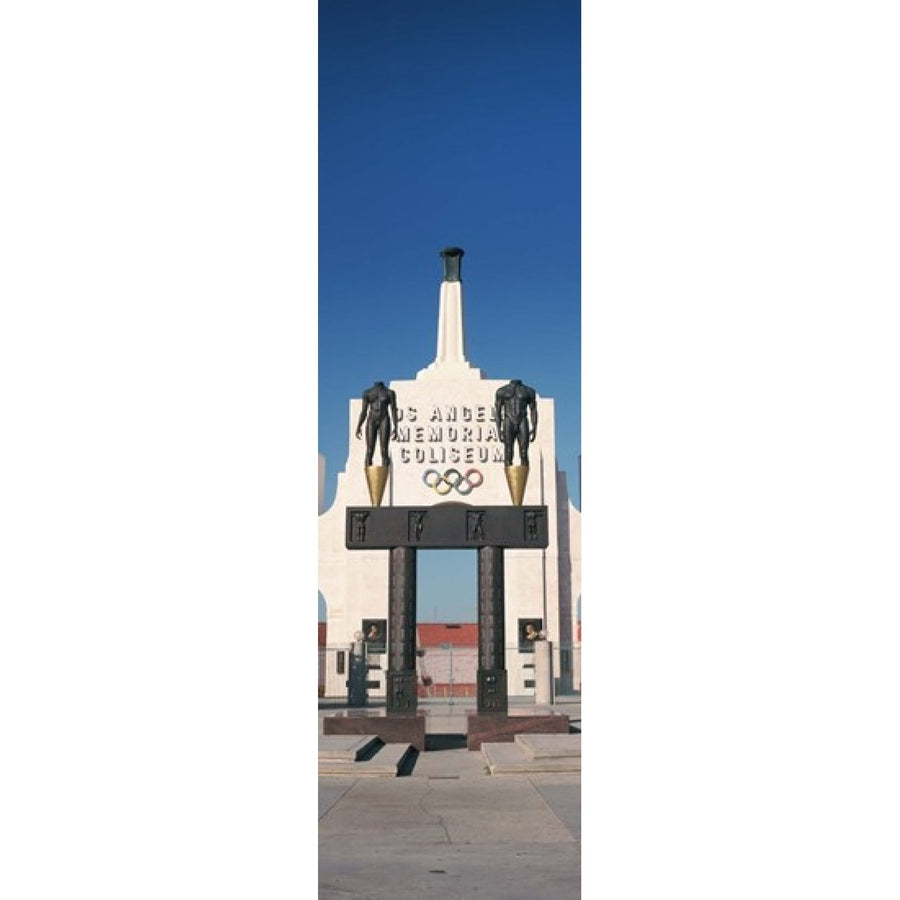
(452, 257)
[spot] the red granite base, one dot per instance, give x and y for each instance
(393, 729)
(500, 728)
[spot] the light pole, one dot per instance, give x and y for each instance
(449, 647)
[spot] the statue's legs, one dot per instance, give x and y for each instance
(523, 443)
(509, 440)
(371, 434)
(384, 436)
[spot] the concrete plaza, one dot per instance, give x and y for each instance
(449, 828)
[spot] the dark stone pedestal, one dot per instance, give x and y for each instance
(491, 691)
(501, 728)
(393, 729)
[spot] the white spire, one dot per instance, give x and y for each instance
(450, 360)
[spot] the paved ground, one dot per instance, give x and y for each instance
(450, 829)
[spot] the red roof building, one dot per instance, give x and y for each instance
(435, 634)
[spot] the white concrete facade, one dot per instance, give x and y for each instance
(445, 420)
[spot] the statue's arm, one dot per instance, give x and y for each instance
(498, 412)
(532, 404)
(362, 415)
(393, 397)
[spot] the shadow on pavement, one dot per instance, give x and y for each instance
(445, 742)
(408, 764)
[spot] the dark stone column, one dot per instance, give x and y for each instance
(492, 686)
(401, 674)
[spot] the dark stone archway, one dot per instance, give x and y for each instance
(402, 530)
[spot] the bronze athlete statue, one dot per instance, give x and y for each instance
(512, 405)
(379, 412)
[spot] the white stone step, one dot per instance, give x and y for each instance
(347, 747)
(511, 758)
(387, 761)
(550, 746)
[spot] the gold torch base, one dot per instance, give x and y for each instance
(516, 477)
(376, 478)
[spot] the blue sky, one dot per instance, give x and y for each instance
(449, 125)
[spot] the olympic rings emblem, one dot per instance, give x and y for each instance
(452, 478)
